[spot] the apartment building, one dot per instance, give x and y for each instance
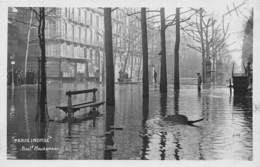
(74, 42)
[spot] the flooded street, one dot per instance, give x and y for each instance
(140, 131)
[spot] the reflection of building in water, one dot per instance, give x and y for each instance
(74, 41)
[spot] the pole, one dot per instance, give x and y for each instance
(27, 47)
(176, 51)
(12, 76)
(145, 53)
(110, 88)
(163, 76)
(202, 47)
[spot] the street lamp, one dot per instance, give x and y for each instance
(12, 63)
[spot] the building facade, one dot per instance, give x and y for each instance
(75, 44)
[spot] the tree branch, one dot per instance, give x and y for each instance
(37, 15)
(152, 16)
(114, 9)
(198, 49)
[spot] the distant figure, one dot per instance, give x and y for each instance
(155, 76)
(249, 75)
(248, 69)
(199, 81)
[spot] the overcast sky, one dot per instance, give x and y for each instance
(237, 20)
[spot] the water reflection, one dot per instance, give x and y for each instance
(109, 133)
(42, 131)
(163, 104)
(26, 114)
(177, 146)
(12, 106)
(163, 144)
(243, 102)
(225, 133)
(163, 112)
(144, 135)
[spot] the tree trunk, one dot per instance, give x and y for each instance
(163, 76)
(176, 51)
(145, 53)
(139, 68)
(43, 88)
(110, 93)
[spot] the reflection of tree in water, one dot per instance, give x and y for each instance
(145, 136)
(178, 118)
(163, 104)
(177, 136)
(163, 112)
(109, 134)
(204, 115)
(176, 101)
(178, 146)
(41, 130)
(163, 145)
(205, 107)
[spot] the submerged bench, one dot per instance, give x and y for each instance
(70, 109)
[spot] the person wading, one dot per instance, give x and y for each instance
(155, 76)
(199, 81)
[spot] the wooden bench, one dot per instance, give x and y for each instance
(70, 109)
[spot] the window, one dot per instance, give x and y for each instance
(62, 50)
(79, 14)
(76, 33)
(79, 34)
(71, 51)
(97, 21)
(86, 15)
(91, 36)
(86, 35)
(90, 55)
(97, 37)
(82, 35)
(65, 31)
(65, 12)
(72, 14)
(93, 56)
(69, 33)
(90, 18)
(68, 10)
(73, 33)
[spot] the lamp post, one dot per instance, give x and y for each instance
(12, 109)
(12, 63)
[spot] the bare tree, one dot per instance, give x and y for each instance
(210, 39)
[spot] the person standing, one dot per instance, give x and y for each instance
(155, 76)
(199, 81)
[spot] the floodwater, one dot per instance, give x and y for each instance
(134, 128)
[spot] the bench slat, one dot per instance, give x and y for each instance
(82, 103)
(90, 105)
(79, 106)
(81, 91)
